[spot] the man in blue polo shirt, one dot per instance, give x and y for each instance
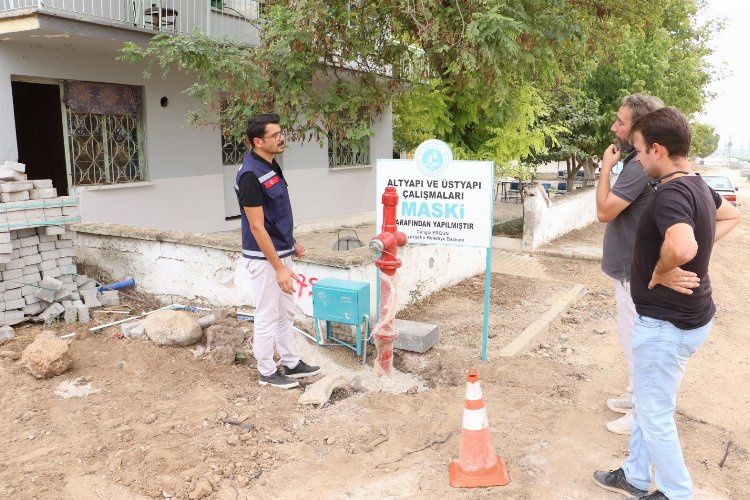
(268, 246)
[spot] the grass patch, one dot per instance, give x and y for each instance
(511, 228)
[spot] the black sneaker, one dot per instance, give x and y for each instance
(656, 495)
(278, 379)
(614, 480)
(302, 370)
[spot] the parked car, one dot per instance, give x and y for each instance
(722, 185)
(745, 172)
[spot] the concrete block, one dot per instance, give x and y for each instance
(42, 183)
(5, 237)
(50, 255)
(31, 279)
(2, 306)
(66, 278)
(47, 246)
(16, 186)
(62, 294)
(52, 273)
(33, 309)
(47, 289)
(52, 212)
(12, 294)
(13, 274)
(66, 252)
(68, 235)
(7, 333)
(26, 251)
(14, 304)
(64, 244)
(70, 286)
(414, 336)
(6, 248)
(110, 298)
(12, 284)
(71, 211)
(28, 241)
(40, 194)
(14, 254)
(7, 174)
(17, 176)
(90, 297)
(83, 314)
(29, 289)
(88, 285)
(33, 259)
(35, 214)
(133, 329)
(17, 196)
(75, 296)
(23, 233)
(71, 313)
(50, 230)
(64, 261)
(52, 312)
(15, 217)
(12, 317)
(68, 269)
(16, 166)
(43, 238)
(30, 299)
(46, 265)
(30, 269)
(4, 258)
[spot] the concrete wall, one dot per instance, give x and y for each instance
(545, 219)
(189, 189)
(192, 274)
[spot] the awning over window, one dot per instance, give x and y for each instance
(101, 98)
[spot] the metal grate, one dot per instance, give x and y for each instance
(232, 150)
(105, 149)
(347, 152)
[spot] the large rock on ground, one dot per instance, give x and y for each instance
(172, 328)
(47, 356)
(218, 336)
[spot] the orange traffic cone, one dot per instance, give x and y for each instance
(477, 464)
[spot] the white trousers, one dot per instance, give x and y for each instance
(625, 325)
(274, 315)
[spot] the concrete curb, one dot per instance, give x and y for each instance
(580, 253)
(541, 325)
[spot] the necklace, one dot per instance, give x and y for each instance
(655, 182)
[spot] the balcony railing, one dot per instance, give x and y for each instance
(236, 19)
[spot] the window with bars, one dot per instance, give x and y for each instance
(232, 149)
(347, 152)
(105, 148)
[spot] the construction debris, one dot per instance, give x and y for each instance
(48, 356)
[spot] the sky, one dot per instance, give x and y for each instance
(729, 111)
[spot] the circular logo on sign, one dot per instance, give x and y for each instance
(433, 157)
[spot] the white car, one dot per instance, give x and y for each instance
(722, 185)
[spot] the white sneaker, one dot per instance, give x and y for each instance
(621, 425)
(621, 404)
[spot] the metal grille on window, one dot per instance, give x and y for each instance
(232, 150)
(347, 153)
(105, 149)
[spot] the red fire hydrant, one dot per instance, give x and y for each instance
(387, 243)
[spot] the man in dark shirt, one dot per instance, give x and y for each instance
(268, 246)
(672, 295)
(620, 206)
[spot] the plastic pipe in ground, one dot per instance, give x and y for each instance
(117, 285)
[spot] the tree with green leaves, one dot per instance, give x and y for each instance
(705, 140)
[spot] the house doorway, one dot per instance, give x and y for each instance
(39, 132)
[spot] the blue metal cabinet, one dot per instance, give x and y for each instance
(342, 301)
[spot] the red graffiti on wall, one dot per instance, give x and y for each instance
(304, 282)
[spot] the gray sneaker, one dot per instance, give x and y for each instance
(302, 370)
(656, 495)
(278, 379)
(614, 480)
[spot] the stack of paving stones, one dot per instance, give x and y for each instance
(40, 282)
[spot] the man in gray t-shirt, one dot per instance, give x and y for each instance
(620, 205)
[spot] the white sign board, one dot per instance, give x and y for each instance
(440, 201)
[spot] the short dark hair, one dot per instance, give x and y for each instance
(667, 127)
(256, 125)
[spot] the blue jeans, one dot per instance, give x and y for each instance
(660, 353)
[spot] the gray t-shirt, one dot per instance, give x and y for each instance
(619, 237)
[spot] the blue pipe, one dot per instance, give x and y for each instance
(117, 285)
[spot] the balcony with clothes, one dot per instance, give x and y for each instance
(235, 19)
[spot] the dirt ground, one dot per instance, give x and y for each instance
(157, 428)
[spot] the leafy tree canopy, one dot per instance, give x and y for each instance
(705, 140)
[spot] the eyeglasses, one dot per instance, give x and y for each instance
(275, 136)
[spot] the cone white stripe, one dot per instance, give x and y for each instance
(473, 391)
(475, 420)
